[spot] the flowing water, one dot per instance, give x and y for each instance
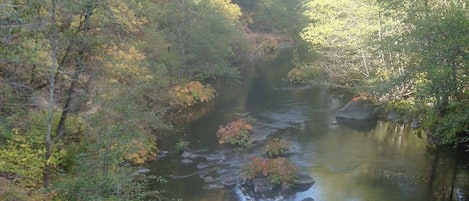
(350, 160)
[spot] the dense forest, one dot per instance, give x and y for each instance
(89, 87)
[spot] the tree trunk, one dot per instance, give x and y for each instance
(75, 78)
(48, 144)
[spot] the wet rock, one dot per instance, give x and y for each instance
(208, 178)
(215, 157)
(304, 182)
(187, 161)
(262, 185)
(162, 154)
(257, 137)
(202, 165)
(393, 116)
(229, 182)
(415, 124)
(221, 171)
(187, 154)
(212, 186)
(406, 121)
(278, 198)
(293, 149)
(143, 170)
(361, 109)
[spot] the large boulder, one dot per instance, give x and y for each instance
(361, 109)
(263, 186)
(304, 182)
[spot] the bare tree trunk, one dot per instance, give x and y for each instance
(53, 42)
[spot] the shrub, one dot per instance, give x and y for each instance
(22, 157)
(22, 153)
(138, 151)
(235, 133)
(451, 128)
(192, 93)
(181, 144)
(296, 75)
(275, 147)
(279, 170)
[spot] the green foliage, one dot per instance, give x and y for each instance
(181, 144)
(199, 39)
(103, 165)
(236, 133)
(431, 63)
(411, 54)
(405, 107)
(275, 147)
(452, 128)
(279, 170)
(120, 184)
(230, 11)
(22, 156)
(274, 16)
(342, 32)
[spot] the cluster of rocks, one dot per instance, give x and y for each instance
(221, 170)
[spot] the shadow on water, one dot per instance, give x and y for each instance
(359, 125)
(350, 160)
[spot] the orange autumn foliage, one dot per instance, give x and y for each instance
(227, 133)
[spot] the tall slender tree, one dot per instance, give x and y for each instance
(53, 68)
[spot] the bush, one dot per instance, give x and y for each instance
(23, 158)
(275, 147)
(181, 144)
(279, 170)
(451, 128)
(22, 155)
(192, 93)
(235, 133)
(296, 75)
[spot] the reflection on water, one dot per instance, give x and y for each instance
(350, 160)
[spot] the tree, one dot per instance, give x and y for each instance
(53, 45)
(201, 38)
(436, 65)
(342, 33)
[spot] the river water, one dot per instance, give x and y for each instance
(350, 161)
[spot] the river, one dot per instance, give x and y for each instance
(350, 161)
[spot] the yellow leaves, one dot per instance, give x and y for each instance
(229, 10)
(126, 17)
(296, 75)
(192, 93)
(140, 152)
(124, 65)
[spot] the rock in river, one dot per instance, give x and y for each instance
(262, 187)
(361, 109)
(187, 161)
(304, 182)
(203, 165)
